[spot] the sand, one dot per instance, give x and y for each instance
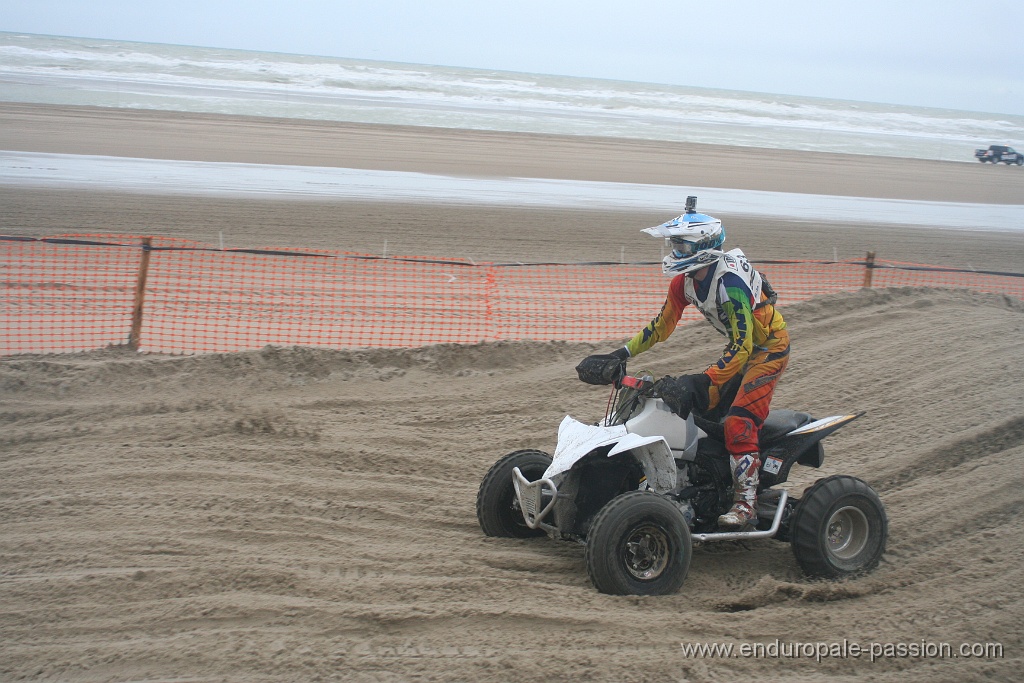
(485, 233)
(297, 514)
(205, 137)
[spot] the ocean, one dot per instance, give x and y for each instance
(80, 71)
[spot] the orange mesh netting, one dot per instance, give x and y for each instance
(160, 294)
(64, 297)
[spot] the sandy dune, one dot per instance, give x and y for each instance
(309, 515)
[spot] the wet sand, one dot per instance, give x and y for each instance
(207, 137)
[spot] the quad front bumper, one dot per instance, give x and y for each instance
(536, 498)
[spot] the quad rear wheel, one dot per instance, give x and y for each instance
(497, 509)
(638, 544)
(839, 528)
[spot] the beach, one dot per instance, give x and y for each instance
(486, 233)
(300, 514)
(212, 137)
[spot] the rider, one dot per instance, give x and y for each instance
(740, 304)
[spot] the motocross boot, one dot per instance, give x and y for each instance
(745, 479)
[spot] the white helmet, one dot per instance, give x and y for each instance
(693, 240)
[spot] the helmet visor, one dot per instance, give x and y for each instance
(681, 247)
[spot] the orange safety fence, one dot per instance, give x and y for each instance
(167, 295)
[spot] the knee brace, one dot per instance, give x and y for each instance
(741, 435)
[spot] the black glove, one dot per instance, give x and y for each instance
(603, 368)
(685, 393)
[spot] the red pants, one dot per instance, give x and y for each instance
(750, 407)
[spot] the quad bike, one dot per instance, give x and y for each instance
(639, 488)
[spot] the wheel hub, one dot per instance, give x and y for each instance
(847, 532)
(646, 552)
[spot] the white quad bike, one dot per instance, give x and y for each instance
(640, 487)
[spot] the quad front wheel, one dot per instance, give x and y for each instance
(638, 544)
(497, 508)
(839, 528)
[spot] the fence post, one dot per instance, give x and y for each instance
(490, 303)
(869, 267)
(140, 295)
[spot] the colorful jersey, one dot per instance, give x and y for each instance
(725, 298)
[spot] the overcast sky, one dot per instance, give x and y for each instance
(960, 54)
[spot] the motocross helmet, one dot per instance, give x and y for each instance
(693, 240)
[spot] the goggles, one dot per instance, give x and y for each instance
(681, 247)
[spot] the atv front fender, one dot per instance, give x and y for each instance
(576, 440)
(654, 454)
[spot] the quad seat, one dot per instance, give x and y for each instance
(782, 422)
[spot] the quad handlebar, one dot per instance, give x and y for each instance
(641, 384)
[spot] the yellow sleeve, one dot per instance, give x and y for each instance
(664, 323)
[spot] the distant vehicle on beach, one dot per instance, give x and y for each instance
(997, 153)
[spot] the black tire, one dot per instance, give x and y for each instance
(1020, 161)
(638, 544)
(496, 506)
(839, 529)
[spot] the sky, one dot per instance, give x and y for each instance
(952, 54)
